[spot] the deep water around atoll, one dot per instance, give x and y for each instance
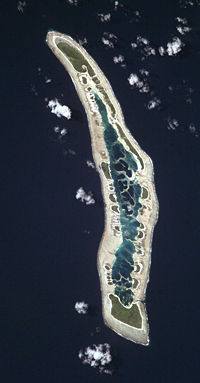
(49, 240)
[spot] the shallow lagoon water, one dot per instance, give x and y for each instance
(123, 264)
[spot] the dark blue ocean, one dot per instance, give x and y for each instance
(47, 257)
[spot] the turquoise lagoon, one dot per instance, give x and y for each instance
(122, 166)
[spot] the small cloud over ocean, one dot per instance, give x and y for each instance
(97, 356)
(85, 197)
(81, 307)
(58, 109)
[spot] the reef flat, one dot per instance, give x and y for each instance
(130, 201)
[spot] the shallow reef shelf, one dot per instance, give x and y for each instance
(130, 201)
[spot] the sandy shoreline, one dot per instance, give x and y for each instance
(110, 241)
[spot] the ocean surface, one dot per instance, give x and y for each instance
(49, 239)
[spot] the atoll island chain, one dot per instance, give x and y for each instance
(127, 181)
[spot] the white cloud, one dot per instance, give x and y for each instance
(97, 356)
(133, 79)
(181, 20)
(182, 27)
(69, 151)
(105, 18)
(188, 100)
(87, 231)
(20, 6)
(183, 30)
(137, 13)
(61, 132)
(116, 4)
(186, 3)
(83, 41)
(133, 45)
(109, 39)
(118, 59)
(47, 80)
(152, 104)
(43, 76)
(172, 123)
(193, 129)
(81, 307)
(90, 164)
(143, 44)
(142, 40)
(84, 197)
(73, 2)
(107, 42)
(111, 35)
(56, 129)
(144, 72)
(129, 207)
(58, 109)
(142, 85)
(161, 50)
(173, 48)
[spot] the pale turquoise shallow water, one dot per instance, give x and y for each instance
(122, 166)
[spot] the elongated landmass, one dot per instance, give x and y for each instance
(127, 181)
